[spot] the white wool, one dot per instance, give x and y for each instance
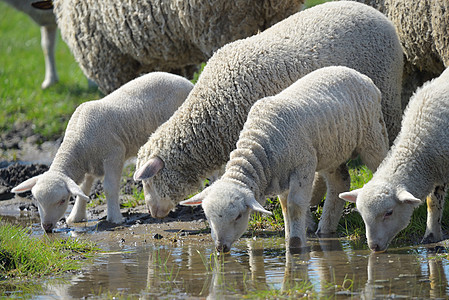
(114, 41)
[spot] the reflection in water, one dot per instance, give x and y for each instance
(330, 268)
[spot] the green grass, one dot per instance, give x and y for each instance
(23, 256)
(22, 71)
(310, 3)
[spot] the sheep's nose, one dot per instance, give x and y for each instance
(223, 248)
(375, 248)
(47, 227)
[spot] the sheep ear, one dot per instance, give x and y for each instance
(195, 200)
(149, 169)
(350, 196)
(74, 189)
(407, 197)
(44, 5)
(254, 205)
(26, 185)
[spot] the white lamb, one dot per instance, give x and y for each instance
(416, 164)
(100, 136)
(199, 137)
(315, 125)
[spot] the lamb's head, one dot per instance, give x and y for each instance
(163, 186)
(227, 206)
(51, 191)
(385, 209)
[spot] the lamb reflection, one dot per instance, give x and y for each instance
(421, 273)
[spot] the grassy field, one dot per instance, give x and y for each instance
(22, 72)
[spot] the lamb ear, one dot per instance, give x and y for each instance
(74, 189)
(350, 196)
(407, 197)
(195, 200)
(26, 185)
(149, 169)
(254, 205)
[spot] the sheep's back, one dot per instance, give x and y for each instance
(326, 114)
(424, 136)
(422, 27)
(158, 35)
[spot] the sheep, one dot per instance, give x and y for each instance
(47, 22)
(315, 125)
(422, 27)
(99, 137)
(199, 137)
(417, 162)
(115, 41)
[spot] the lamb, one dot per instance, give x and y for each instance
(422, 27)
(417, 162)
(315, 125)
(199, 137)
(115, 41)
(47, 22)
(99, 137)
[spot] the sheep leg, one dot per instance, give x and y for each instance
(283, 200)
(298, 203)
(48, 39)
(79, 212)
(338, 181)
(435, 204)
(319, 189)
(111, 187)
(318, 193)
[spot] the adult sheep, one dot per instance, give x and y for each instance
(422, 26)
(198, 138)
(115, 41)
(99, 137)
(417, 162)
(47, 22)
(315, 125)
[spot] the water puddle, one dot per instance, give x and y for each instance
(135, 264)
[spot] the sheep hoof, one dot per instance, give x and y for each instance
(295, 243)
(430, 239)
(76, 219)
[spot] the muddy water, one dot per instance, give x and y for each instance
(182, 265)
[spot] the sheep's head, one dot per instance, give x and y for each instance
(52, 191)
(163, 186)
(386, 210)
(227, 206)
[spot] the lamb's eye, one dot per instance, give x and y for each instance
(238, 217)
(61, 202)
(389, 213)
